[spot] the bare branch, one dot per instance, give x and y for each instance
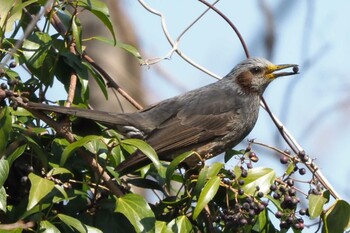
(173, 44)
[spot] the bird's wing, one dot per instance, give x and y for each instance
(201, 119)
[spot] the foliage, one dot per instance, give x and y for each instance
(48, 184)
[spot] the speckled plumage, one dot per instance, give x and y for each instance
(208, 120)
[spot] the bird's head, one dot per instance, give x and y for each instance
(255, 74)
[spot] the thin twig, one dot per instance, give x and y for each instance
(72, 81)
(173, 44)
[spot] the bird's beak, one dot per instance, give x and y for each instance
(271, 72)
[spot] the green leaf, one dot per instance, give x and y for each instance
(145, 149)
(59, 170)
(180, 224)
(40, 188)
(161, 227)
(71, 148)
(262, 177)
(202, 178)
(10, 12)
(316, 203)
(129, 48)
(136, 209)
(263, 225)
(99, 9)
(38, 150)
(4, 171)
(214, 169)
(47, 227)
(174, 164)
(16, 153)
(337, 217)
(76, 30)
(290, 168)
(73, 223)
(205, 174)
(207, 194)
(36, 48)
(230, 153)
(5, 127)
(3, 199)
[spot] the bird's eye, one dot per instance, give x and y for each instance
(256, 70)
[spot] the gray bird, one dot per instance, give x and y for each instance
(208, 120)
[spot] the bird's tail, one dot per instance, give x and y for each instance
(110, 119)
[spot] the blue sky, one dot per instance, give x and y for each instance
(313, 34)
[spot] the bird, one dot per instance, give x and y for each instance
(207, 120)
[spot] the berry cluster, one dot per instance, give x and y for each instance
(286, 194)
(242, 213)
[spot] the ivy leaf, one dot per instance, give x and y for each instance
(207, 194)
(71, 148)
(180, 224)
(174, 164)
(316, 203)
(3, 199)
(145, 149)
(337, 217)
(4, 171)
(136, 209)
(5, 127)
(76, 224)
(262, 177)
(47, 227)
(40, 188)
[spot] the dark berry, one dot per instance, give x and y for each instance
(287, 151)
(284, 225)
(298, 226)
(261, 207)
(260, 194)
(278, 214)
(241, 182)
(288, 199)
(302, 211)
(244, 173)
(276, 196)
(273, 187)
(243, 221)
(13, 64)
(290, 182)
(253, 157)
(284, 159)
(246, 206)
(295, 69)
(252, 213)
(290, 220)
(3, 86)
(302, 171)
(240, 191)
(292, 192)
(282, 189)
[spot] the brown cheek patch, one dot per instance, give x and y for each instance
(244, 79)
